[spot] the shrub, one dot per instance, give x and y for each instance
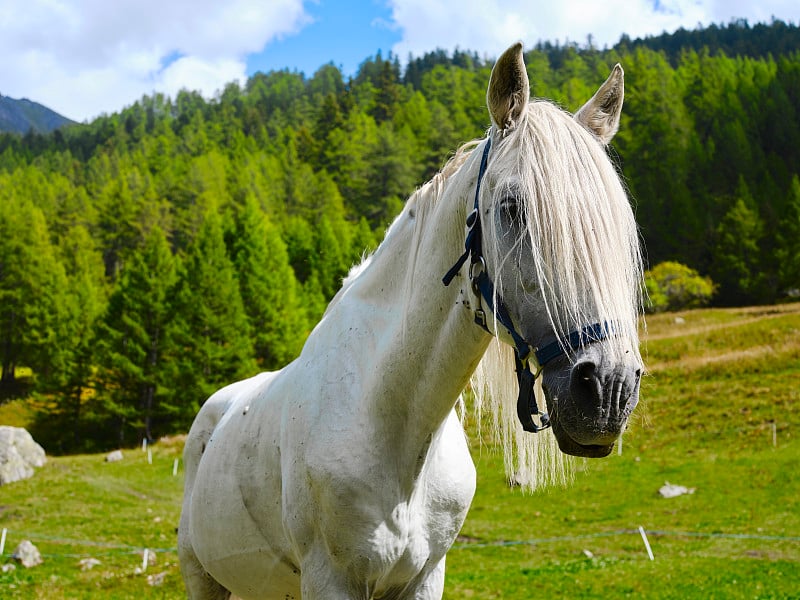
(673, 286)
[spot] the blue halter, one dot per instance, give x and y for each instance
(483, 287)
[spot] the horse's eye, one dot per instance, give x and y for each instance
(509, 206)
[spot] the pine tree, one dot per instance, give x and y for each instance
(388, 90)
(348, 154)
(395, 175)
(737, 255)
(299, 238)
(210, 327)
(32, 285)
(73, 357)
(363, 242)
(135, 345)
(787, 253)
(314, 300)
(268, 288)
(328, 260)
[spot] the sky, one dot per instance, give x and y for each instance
(83, 58)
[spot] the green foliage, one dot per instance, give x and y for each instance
(672, 286)
(270, 293)
(212, 336)
(787, 255)
(736, 254)
(33, 283)
(69, 379)
(134, 346)
(304, 175)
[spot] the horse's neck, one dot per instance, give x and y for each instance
(423, 342)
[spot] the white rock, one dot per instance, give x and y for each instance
(19, 454)
(27, 554)
(88, 563)
(670, 490)
(114, 456)
(157, 579)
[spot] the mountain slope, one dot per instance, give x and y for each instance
(20, 116)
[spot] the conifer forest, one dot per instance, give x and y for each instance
(151, 256)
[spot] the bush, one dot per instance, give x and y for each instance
(673, 286)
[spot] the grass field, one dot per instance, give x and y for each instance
(717, 414)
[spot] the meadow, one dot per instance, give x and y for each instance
(717, 414)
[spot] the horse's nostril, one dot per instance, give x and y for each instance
(585, 371)
(585, 384)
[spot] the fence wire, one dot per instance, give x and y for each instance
(120, 549)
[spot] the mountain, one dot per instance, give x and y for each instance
(20, 116)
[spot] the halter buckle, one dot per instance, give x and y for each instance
(480, 318)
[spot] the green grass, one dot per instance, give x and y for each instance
(717, 382)
(80, 506)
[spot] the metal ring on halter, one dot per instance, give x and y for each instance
(475, 269)
(544, 421)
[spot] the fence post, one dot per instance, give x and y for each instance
(646, 543)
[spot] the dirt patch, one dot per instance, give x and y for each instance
(692, 363)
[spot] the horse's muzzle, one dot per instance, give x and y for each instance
(590, 407)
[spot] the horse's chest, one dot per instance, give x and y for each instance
(374, 527)
(399, 544)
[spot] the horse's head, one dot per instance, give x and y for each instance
(561, 247)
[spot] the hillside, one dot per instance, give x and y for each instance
(737, 38)
(22, 116)
(717, 415)
(160, 252)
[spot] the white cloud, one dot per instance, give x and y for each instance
(490, 26)
(85, 57)
(191, 72)
(754, 12)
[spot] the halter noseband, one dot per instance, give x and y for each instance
(483, 288)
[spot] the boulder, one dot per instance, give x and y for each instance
(87, 564)
(114, 456)
(670, 490)
(27, 554)
(19, 454)
(157, 579)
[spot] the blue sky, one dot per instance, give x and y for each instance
(86, 57)
(344, 32)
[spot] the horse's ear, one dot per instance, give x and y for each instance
(508, 91)
(600, 115)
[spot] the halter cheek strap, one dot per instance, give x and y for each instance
(484, 289)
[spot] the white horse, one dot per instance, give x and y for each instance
(347, 475)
